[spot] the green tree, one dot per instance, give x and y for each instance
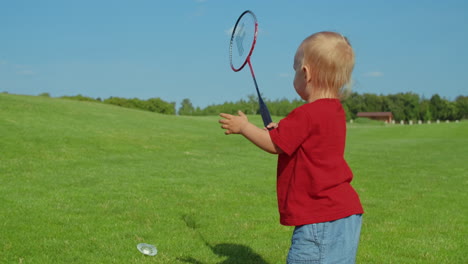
(347, 112)
(186, 107)
(354, 103)
(280, 107)
(436, 106)
(461, 103)
(411, 106)
(153, 104)
(160, 106)
(404, 106)
(80, 97)
(443, 109)
(424, 110)
(372, 103)
(252, 104)
(394, 104)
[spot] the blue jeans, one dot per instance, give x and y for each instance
(326, 243)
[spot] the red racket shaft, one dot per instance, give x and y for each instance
(263, 108)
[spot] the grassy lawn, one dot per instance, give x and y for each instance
(85, 182)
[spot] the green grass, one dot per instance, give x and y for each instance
(83, 182)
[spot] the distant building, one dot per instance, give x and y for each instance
(381, 116)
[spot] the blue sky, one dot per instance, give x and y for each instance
(179, 49)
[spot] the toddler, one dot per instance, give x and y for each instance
(313, 179)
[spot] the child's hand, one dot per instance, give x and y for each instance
(233, 124)
(270, 126)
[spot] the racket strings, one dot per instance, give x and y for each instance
(240, 40)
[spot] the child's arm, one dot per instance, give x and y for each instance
(241, 125)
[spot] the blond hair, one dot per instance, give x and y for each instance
(331, 60)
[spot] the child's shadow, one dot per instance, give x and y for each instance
(235, 253)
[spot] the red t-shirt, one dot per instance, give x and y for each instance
(313, 181)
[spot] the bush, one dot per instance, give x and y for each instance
(368, 121)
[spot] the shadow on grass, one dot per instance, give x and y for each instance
(235, 254)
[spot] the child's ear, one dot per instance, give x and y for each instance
(307, 73)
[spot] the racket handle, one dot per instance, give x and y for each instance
(265, 114)
(263, 108)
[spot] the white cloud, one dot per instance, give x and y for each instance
(199, 12)
(19, 69)
(26, 72)
(200, 9)
(374, 74)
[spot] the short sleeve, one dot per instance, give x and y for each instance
(292, 131)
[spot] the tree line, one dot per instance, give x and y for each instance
(404, 106)
(156, 105)
(408, 106)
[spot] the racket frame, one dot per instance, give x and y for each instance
(264, 112)
(247, 59)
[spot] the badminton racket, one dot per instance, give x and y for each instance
(241, 46)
